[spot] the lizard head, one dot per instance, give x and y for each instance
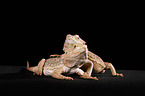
(76, 56)
(71, 40)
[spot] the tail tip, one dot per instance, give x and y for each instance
(27, 64)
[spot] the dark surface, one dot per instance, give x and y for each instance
(15, 79)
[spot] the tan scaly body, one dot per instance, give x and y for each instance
(98, 64)
(70, 63)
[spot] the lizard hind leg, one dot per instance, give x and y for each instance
(36, 69)
(113, 71)
(32, 69)
(40, 66)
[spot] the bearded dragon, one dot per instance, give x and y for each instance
(69, 62)
(98, 64)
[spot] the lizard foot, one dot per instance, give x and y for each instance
(68, 78)
(117, 74)
(87, 76)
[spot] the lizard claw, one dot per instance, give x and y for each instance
(68, 78)
(121, 75)
(117, 74)
(94, 78)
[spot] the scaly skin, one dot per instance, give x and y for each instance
(69, 62)
(98, 64)
(76, 55)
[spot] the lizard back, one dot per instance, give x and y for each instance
(52, 64)
(93, 57)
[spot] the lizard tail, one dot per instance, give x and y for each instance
(27, 64)
(30, 68)
(36, 69)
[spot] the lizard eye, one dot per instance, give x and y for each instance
(75, 46)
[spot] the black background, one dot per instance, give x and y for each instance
(115, 42)
(120, 48)
(112, 32)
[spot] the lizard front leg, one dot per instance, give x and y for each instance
(89, 65)
(58, 74)
(113, 71)
(55, 55)
(87, 74)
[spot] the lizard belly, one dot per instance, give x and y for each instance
(70, 70)
(73, 70)
(49, 71)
